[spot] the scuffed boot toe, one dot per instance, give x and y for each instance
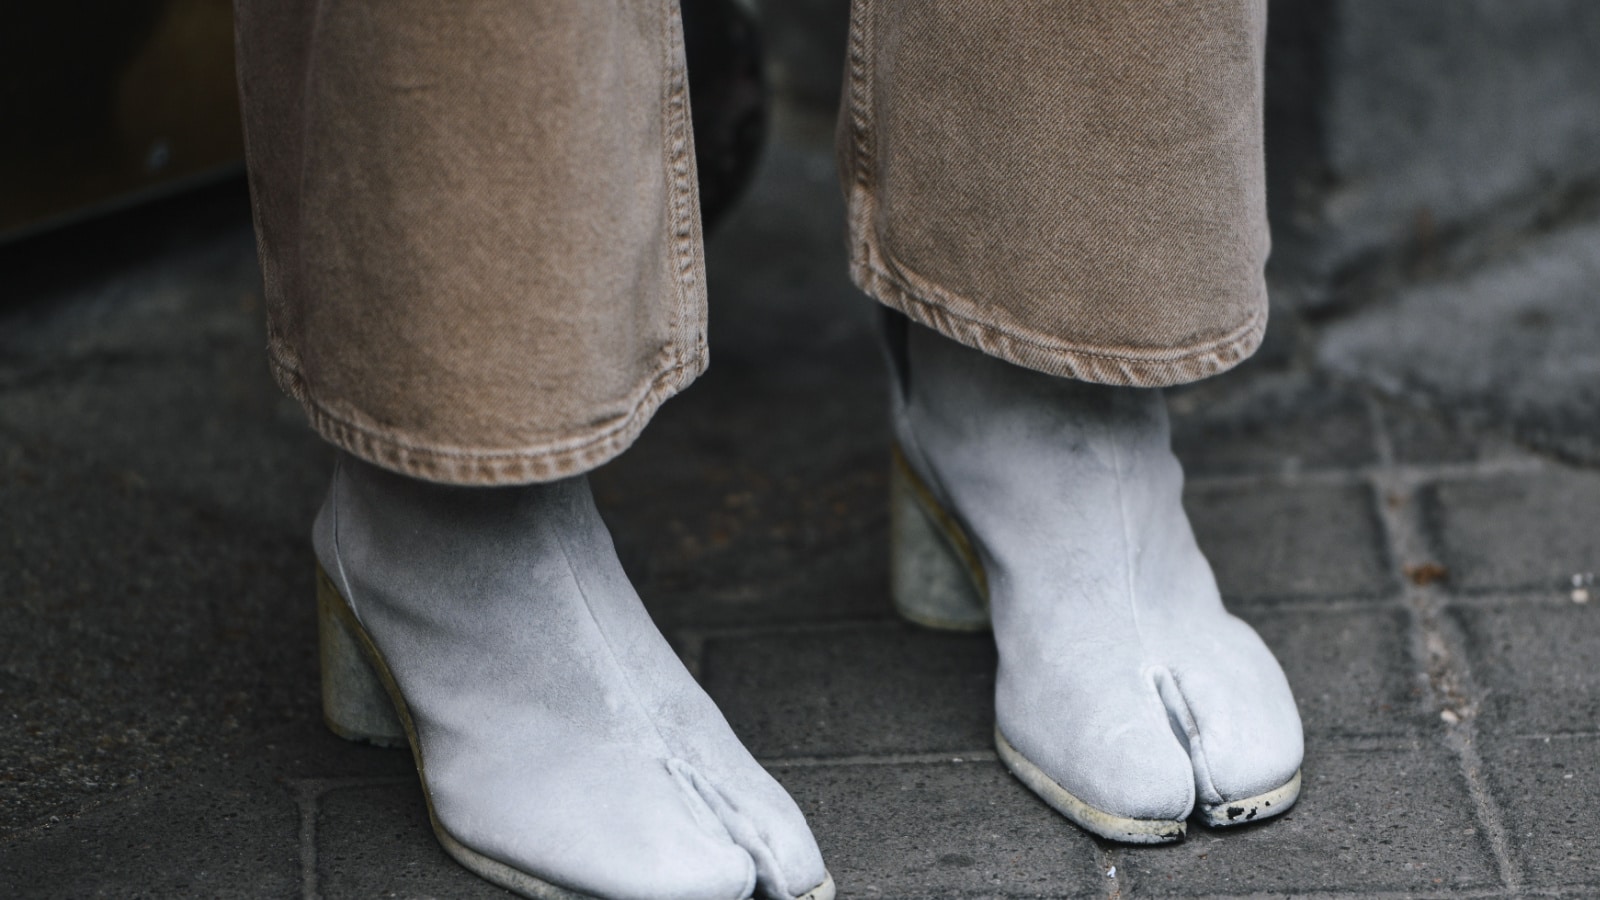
(764, 821)
(1232, 706)
(1111, 765)
(612, 824)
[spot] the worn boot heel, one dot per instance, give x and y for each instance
(355, 703)
(935, 577)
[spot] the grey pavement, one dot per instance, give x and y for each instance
(1397, 497)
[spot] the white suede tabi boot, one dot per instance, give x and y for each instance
(563, 749)
(1127, 695)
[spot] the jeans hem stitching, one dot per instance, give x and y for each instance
(572, 456)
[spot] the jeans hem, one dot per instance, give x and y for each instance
(875, 270)
(1120, 367)
(569, 456)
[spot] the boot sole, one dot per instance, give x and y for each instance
(1097, 821)
(1252, 809)
(937, 581)
(362, 702)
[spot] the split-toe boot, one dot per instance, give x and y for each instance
(1051, 510)
(563, 749)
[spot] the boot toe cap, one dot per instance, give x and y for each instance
(614, 828)
(1231, 700)
(1106, 743)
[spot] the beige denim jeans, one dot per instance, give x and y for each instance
(480, 236)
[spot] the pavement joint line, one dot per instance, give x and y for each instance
(955, 757)
(307, 797)
(706, 634)
(691, 640)
(688, 635)
(1547, 737)
(1446, 673)
(1311, 603)
(1115, 878)
(307, 794)
(1378, 427)
(320, 786)
(1475, 597)
(1411, 473)
(1356, 744)
(1442, 892)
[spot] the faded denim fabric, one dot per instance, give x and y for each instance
(1077, 188)
(479, 227)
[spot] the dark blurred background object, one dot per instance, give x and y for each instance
(106, 102)
(1401, 138)
(728, 98)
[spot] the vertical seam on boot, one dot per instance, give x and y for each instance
(605, 639)
(1127, 541)
(674, 764)
(710, 798)
(757, 831)
(1193, 740)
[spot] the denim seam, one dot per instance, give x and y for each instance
(677, 139)
(903, 291)
(857, 168)
(1086, 364)
(487, 467)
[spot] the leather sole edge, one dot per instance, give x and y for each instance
(1259, 808)
(1096, 821)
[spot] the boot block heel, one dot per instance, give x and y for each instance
(935, 577)
(355, 703)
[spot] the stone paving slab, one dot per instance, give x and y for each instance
(1538, 664)
(224, 832)
(202, 431)
(1350, 669)
(1549, 791)
(1428, 437)
(306, 751)
(1269, 421)
(1281, 542)
(1516, 532)
(1510, 343)
(1374, 817)
(736, 524)
(160, 378)
(143, 634)
(887, 690)
(375, 841)
(941, 829)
